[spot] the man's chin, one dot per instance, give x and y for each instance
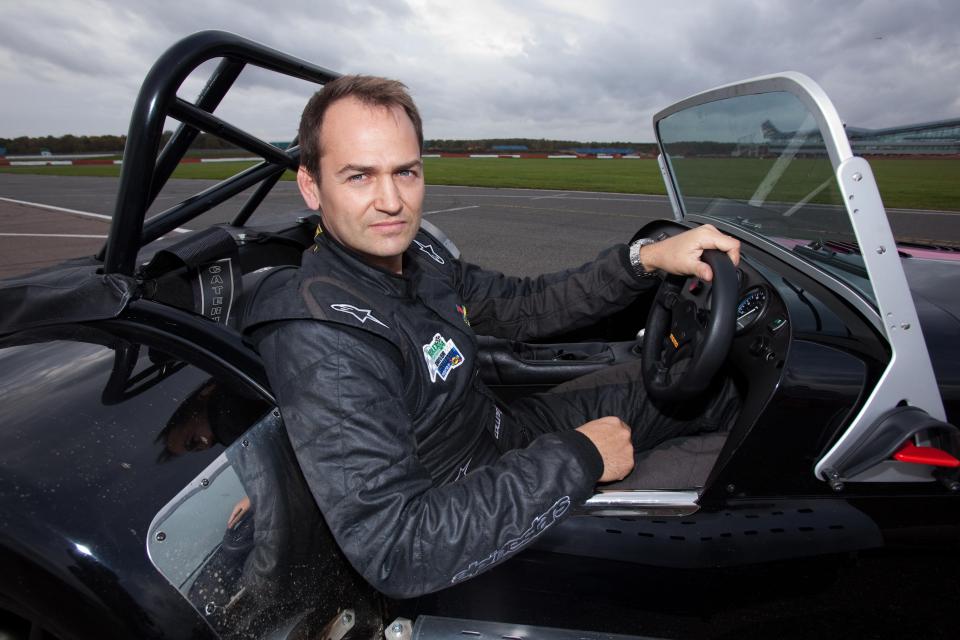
(392, 247)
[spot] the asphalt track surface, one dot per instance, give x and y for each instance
(513, 230)
(517, 231)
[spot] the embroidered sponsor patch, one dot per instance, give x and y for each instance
(442, 357)
(360, 314)
(430, 251)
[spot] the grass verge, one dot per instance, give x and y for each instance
(904, 183)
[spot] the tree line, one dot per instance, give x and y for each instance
(25, 145)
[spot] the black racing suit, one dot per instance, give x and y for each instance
(422, 477)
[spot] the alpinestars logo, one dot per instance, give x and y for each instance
(360, 314)
(462, 473)
(540, 524)
(430, 251)
(442, 357)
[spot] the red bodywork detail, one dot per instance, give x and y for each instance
(909, 452)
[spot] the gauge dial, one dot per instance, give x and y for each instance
(751, 307)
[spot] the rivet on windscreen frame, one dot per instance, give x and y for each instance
(161, 536)
(245, 442)
(881, 250)
(204, 482)
(857, 177)
(905, 325)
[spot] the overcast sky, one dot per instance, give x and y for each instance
(580, 69)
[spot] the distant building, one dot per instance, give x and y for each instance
(3, 151)
(602, 151)
(927, 138)
(509, 148)
(940, 137)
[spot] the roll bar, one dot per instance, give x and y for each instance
(145, 172)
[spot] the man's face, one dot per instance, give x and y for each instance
(370, 193)
(193, 434)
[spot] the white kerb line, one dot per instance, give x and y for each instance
(52, 235)
(473, 206)
(88, 214)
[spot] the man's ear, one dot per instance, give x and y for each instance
(309, 188)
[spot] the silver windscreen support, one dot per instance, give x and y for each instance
(671, 187)
(909, 376)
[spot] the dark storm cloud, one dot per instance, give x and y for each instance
(564, 69)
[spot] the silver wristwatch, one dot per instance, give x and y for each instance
(638, 269)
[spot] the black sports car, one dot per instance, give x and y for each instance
(148, 489)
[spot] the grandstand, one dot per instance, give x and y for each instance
(938, 138)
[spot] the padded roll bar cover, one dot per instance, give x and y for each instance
(182, 274)
(192, 251)
(888, 434)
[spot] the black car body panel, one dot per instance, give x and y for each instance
(69, 497)
(933, 284)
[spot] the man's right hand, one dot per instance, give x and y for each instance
(611, 437)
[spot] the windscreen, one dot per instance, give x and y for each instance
(759, 162)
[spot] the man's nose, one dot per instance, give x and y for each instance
(388, 197)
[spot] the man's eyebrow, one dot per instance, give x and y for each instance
(354, 168)
(358, 168)
(410, 165)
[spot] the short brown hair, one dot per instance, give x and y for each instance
(370, 90)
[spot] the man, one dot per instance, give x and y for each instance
(423, 477)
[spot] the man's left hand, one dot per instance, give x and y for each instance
(680, 254)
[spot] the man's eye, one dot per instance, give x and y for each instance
(358, 177)
(407, 173)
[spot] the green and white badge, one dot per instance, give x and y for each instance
(442, 356)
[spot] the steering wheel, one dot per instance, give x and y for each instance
(685, 342)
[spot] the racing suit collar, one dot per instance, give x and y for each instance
(391, 283)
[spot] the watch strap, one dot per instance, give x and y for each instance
(636, 263)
